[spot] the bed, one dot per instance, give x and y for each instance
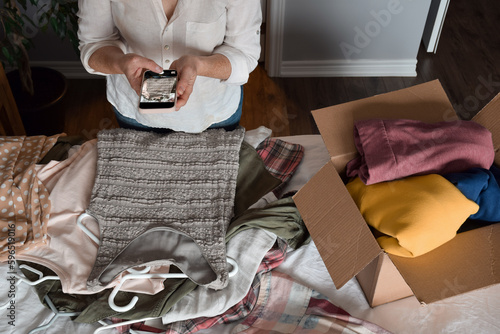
(303, 270)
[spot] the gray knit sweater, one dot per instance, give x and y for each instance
(177, 182)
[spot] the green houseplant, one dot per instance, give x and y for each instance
(22, 19)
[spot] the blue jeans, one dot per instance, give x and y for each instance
(228, 124)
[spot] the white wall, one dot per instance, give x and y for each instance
(346, 37)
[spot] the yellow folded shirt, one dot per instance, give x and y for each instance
(417, 214)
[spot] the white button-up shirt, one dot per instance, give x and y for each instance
(197, 27)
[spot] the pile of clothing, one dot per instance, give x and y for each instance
(178, 203)
(417, 183)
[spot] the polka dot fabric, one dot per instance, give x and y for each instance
(24, 201)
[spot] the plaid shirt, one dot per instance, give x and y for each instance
(281, 159)
(286, 306)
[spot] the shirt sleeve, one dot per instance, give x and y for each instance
(242, 40)
(96, 29)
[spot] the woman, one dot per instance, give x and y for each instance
(213, 45)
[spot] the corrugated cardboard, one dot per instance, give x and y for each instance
(470, 261)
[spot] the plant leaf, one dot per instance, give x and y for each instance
(53, 24)
(7, 55)
(15, 33)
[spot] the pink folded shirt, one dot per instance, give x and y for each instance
(392, 149)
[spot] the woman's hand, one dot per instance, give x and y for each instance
(189, 67)
(187, 71)
(112, 60)
(133, 66)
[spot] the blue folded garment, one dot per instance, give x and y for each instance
(481, 186)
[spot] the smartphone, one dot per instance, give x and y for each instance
(158, 91)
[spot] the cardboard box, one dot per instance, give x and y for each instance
(469, 261)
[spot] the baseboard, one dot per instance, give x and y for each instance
(349, 68)
(310, 68)
(70, 69)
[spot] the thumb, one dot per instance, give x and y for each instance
(181, 88)
(153, 66)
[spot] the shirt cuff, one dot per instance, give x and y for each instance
(87, 50)
(241, 65)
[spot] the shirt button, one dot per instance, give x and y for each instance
(167, 61)
(166, 47)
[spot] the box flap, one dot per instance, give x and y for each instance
(340, 233)
(453, 268)
(382, 283)
(489, 117)
(427, 102)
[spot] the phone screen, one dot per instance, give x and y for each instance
(158, 89)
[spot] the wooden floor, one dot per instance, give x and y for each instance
(467, 63)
